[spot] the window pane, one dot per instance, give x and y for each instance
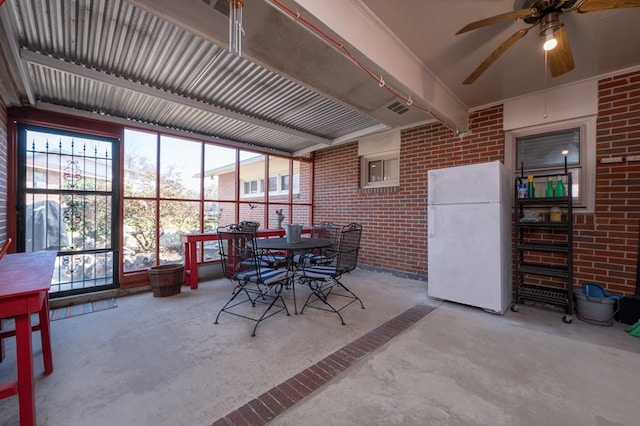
(273, 184)
(252, 171)
(227, 213)
(180, 162)
(45, 224)
(273, 215)
(176, 217)
(575, 182)
(277, 167)
(301, 181)
(302, 214)
(140, 155)
(548, 149)
(57, 161)
(212, 216)
(375, 171)
(391, 169)
(220, 178)
(216, 215)
(138, 234)
(252, 212)
(284, 183)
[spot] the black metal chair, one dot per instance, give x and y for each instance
(329, 231)
(256, 284)
(267, 258)
(324, 280)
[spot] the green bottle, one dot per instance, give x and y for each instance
(560, 188)
(531, 189)
(549, 192)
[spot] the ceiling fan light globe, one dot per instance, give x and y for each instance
(550, 42)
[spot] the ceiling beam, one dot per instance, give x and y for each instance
(345, 139)
(113, 80)
(156, 128)
(356, 25)
(13, 53)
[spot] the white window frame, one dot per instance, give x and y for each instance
(587, 126)
(253, 194)
(367, 159)
(265, 185)
(279, 189)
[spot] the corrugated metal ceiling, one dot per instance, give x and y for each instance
(115, 59)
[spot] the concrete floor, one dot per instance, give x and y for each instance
(162, 361)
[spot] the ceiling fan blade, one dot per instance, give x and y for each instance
(595, 5)
(495, 55)
(503, 17)
(560, 59)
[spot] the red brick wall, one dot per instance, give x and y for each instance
(227, 186)
(386, 213)
(607, 241)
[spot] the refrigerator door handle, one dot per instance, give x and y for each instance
(431, 184)
(431, 222)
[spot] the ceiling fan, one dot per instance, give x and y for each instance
(545, 13)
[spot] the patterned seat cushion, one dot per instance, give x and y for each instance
(311, 259)
(268, 275)
(320, 272)
(302, 259)
(273, 260)
(321, 259)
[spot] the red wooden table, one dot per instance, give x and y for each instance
(191, 242)
(25, 279)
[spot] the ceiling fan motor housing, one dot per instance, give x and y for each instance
(549, 21)
(546, 7)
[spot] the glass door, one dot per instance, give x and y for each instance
(68, 202)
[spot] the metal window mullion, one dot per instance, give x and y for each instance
(157, 201)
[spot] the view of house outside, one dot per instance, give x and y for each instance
(175, 186)
(170, 186)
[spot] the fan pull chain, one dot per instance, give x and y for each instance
(545, 85)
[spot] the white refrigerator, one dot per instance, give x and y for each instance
(469, 235)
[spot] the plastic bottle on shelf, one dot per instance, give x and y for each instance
(549, 192)
(531, 188)
(522, 190)
(560, 192)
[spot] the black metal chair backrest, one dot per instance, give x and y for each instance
(327, 230)
(349, 248)
(236, 249)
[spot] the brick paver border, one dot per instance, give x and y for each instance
(275, 401)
